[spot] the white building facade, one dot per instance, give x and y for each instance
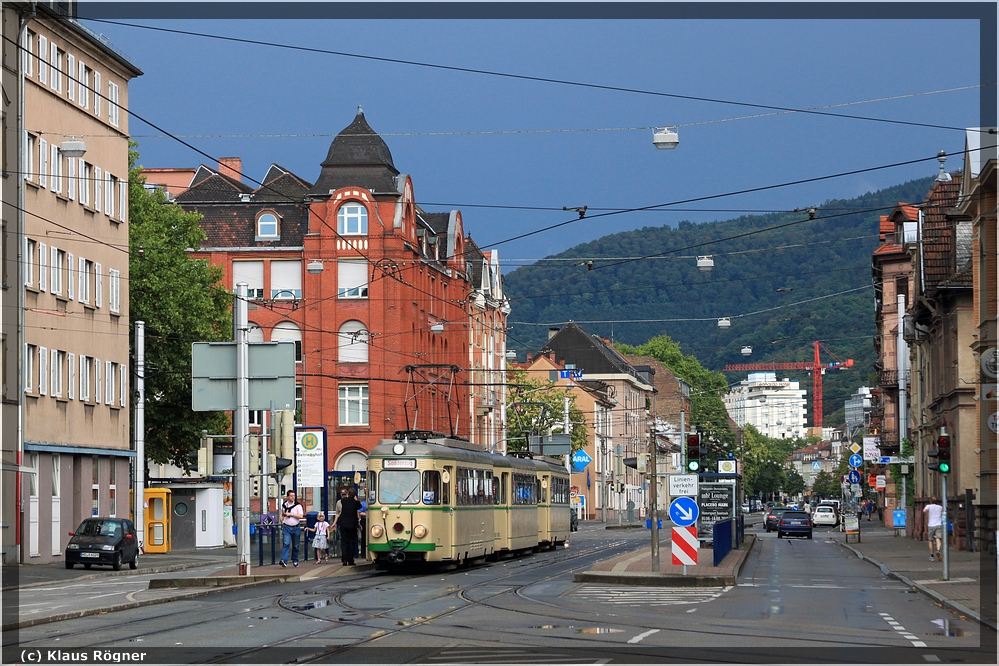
(774, 407)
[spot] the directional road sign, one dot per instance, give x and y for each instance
(894, 460)
(853, 476)
(683, 511)
(580, 459)
(856, 460)
(685, 545)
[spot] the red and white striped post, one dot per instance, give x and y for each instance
(685, 546)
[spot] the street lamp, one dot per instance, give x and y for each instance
(315, 267)
(665, 138)
(73, 148)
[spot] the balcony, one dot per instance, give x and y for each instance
(888, 377)
(888, 442)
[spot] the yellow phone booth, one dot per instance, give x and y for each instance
(157, 510)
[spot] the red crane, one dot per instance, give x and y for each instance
(816, 367)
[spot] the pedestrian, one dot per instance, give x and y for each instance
(934, 528)
(347, 520)
(868, 509)
(336, 512)
(321, 539)
(292, 513)
(362, 539)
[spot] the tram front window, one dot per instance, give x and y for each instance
(398, 487)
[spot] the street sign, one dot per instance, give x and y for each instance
(856, 460)
(685, 545)
(683, 512)
(271, 367)
(853, 476)
(575, 375)
(716, 502)
(880, 482)
(682, 485)
(894, 460)
(898, 518)
(551, 445)
(816, 465)
(310, 457)
(871, 451)
(580, 459)
(855, 447)
(855, 488)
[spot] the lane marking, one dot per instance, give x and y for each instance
(642, 635)
(902, 631)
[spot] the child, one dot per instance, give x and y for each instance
(320, 541)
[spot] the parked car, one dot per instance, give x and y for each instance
(109, 541)
(825, 514)
(745, 507)
(795, 523)
(835, 504)
(773, 516)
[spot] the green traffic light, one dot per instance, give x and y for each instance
(944, 468)
(693, 465)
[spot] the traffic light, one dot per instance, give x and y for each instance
(254, 467)
(942, 454)
(693, 453)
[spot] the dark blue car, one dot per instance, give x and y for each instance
(794, 523)
(103, 541)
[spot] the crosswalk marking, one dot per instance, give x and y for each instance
(649, 596)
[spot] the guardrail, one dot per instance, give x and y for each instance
(727, 534)
(272, 534)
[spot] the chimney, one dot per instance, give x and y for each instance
(232, 167)
(552, 332)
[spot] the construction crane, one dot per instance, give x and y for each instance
(816, 367)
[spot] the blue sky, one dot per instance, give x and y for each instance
(198, 86)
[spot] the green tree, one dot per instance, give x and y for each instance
(826, 485)
(181, 300)
(537, 406)
(763, 462)
(793, 483)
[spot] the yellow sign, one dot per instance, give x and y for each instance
(855, 447)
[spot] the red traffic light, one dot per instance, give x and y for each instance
(943, 447)
(693, 440)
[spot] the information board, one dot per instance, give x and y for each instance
(310, 457)
(716, 502)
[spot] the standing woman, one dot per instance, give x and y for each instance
(347, 521)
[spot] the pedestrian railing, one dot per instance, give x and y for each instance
(726, 534)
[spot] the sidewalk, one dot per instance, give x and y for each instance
(908, 560)
(635, 568)
(33, 575)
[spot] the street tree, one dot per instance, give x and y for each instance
(537, 406)
(794, 483)
(826, 485)
(181, 300)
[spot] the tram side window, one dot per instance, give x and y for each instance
(560, 488)
(524, 489)
(431, 487)
(503, 486)
(371, 486)
(446, 489)
(461, 487)
(540, 492)
(496, 490)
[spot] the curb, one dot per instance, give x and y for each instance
(933, 594)
(107, 574)
(625, 526)
(649, 579)
(120, 607)
(219, 581)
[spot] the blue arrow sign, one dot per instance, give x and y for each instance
(884, 460)
(683, 511)
(580, 460)
(856, 460)
(853, 476)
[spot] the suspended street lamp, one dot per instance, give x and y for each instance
(705, 263)
(665, 138)
(724, 322)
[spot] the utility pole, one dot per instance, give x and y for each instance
(943, 517)
(240, 429)
(139, 470)
(654, 494)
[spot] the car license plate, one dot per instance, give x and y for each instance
(90, 554)
(797, 522)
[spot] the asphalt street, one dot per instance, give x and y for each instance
(807, 599)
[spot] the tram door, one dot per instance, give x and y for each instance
(446, 537)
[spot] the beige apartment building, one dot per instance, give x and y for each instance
(66, 217)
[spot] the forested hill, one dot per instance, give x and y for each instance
(771, 271)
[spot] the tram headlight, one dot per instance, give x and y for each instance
(377, 531)
(420, 531)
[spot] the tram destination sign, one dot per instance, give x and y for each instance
(717, 503)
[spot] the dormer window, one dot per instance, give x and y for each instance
(267, 226)
(352, 219)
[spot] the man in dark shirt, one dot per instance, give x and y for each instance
(346, 521)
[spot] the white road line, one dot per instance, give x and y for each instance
(642, 635)
(110, 594)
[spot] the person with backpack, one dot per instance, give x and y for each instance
(348, 520)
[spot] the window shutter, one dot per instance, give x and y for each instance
(98, 286)
(71, 75)
(84, 183)
(98, 387)
(122, 200)
(97, 93)
(83, 291)
(43, 371)
(122, 384)
(53, 71)
(108, 195)
(43, 162)
(84, 378)
(84, 93)
(252, 273)
(70, 282)
(54, 370)
(352, 277)
(71, 384)
(27, 254)
(114, 285)
(108, 383)
(43, 263)
(54, 271)
(286, 279)
(98, 186)
(71, 177)
(43, 59)
(29, 366)
(54, 183)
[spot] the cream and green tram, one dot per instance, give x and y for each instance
(516, 502)
(430, 499)
(552, 487)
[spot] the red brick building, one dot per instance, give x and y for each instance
(373, 288)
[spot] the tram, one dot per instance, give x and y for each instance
(434, 498)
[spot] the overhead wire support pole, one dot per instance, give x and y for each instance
(139, 493)
(240, 430)
(654, 493)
